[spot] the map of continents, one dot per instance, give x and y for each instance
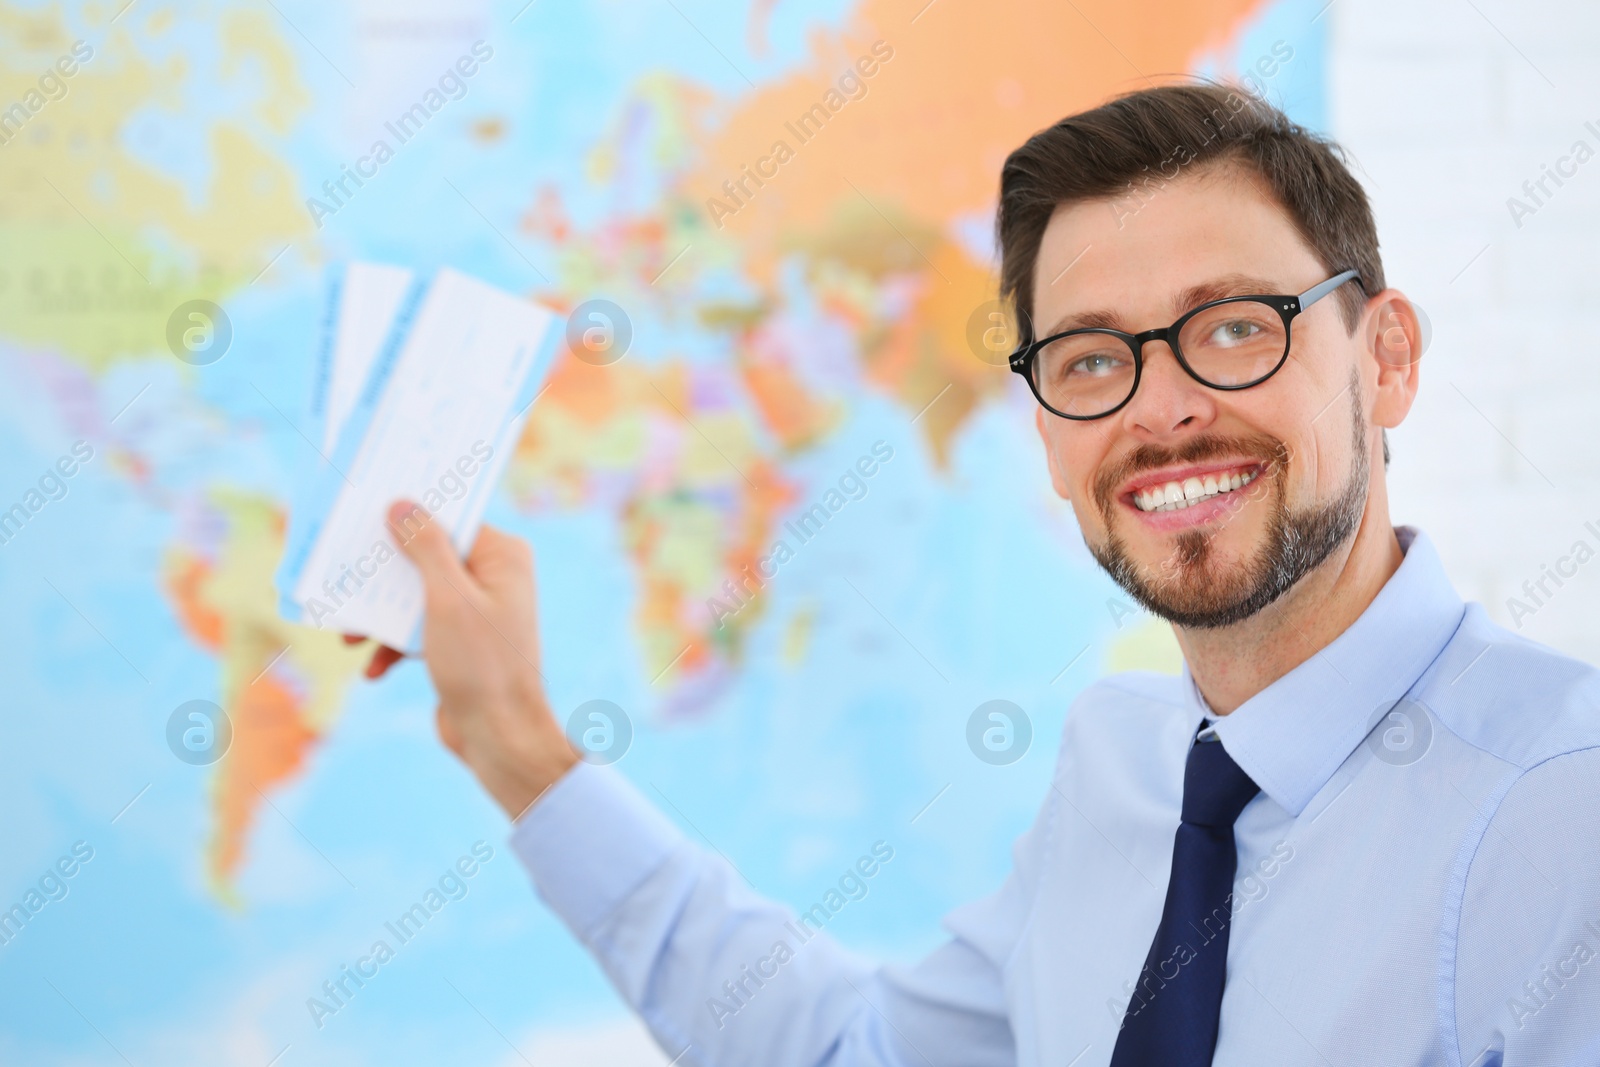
(792, 209)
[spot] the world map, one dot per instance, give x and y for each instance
(795, 524)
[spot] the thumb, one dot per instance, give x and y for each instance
(426, 544)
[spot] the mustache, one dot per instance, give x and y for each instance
(1263, 447)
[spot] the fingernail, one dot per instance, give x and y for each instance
(400, 509)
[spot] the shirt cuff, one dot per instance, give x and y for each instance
(589, 842)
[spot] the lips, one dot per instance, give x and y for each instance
(1180, 488)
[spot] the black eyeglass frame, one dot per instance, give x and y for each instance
(1287, 307)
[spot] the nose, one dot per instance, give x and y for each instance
(1168, 401)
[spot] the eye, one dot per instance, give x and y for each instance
(1095, 364)
(1234, 331)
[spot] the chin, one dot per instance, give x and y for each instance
(1198, 552)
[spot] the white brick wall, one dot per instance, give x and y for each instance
(1447, 120)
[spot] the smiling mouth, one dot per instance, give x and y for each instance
(1184, 493)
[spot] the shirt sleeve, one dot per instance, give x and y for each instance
(1527, 975)
(722, 976)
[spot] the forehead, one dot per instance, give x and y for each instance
(1137, 256)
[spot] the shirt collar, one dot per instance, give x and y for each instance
(1294, 734)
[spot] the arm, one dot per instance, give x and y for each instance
(1527, 965)
(720, 975)
(736, 979)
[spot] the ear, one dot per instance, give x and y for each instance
(1058, 479)
(1394, 341)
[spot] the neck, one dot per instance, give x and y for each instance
(1234, 663)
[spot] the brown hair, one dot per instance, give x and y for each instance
(1134, 144)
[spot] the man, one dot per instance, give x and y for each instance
(1359, 828)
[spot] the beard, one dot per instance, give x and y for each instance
(1191, 587)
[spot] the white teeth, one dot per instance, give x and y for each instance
(1175, 496)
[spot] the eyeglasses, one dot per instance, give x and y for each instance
(1233, 343)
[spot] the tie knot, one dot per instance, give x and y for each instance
(1215, 789)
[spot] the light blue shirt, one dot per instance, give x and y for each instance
(1426, 891)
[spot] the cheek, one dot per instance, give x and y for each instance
(1322, 452)
(1075, 456)
(1335, 462)
(1314, 468)
(1313, 419)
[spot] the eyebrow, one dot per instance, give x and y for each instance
(1216, 289)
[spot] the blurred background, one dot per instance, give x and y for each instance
(762, 340)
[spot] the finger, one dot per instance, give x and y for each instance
(384, 658)
(502, 563)
(449, 733)
(499, 557)
(426, 544)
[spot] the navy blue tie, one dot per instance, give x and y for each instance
(1171, 1019)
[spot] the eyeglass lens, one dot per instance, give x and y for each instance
(1231, 344)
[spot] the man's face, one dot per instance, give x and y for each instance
(1283, 467)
